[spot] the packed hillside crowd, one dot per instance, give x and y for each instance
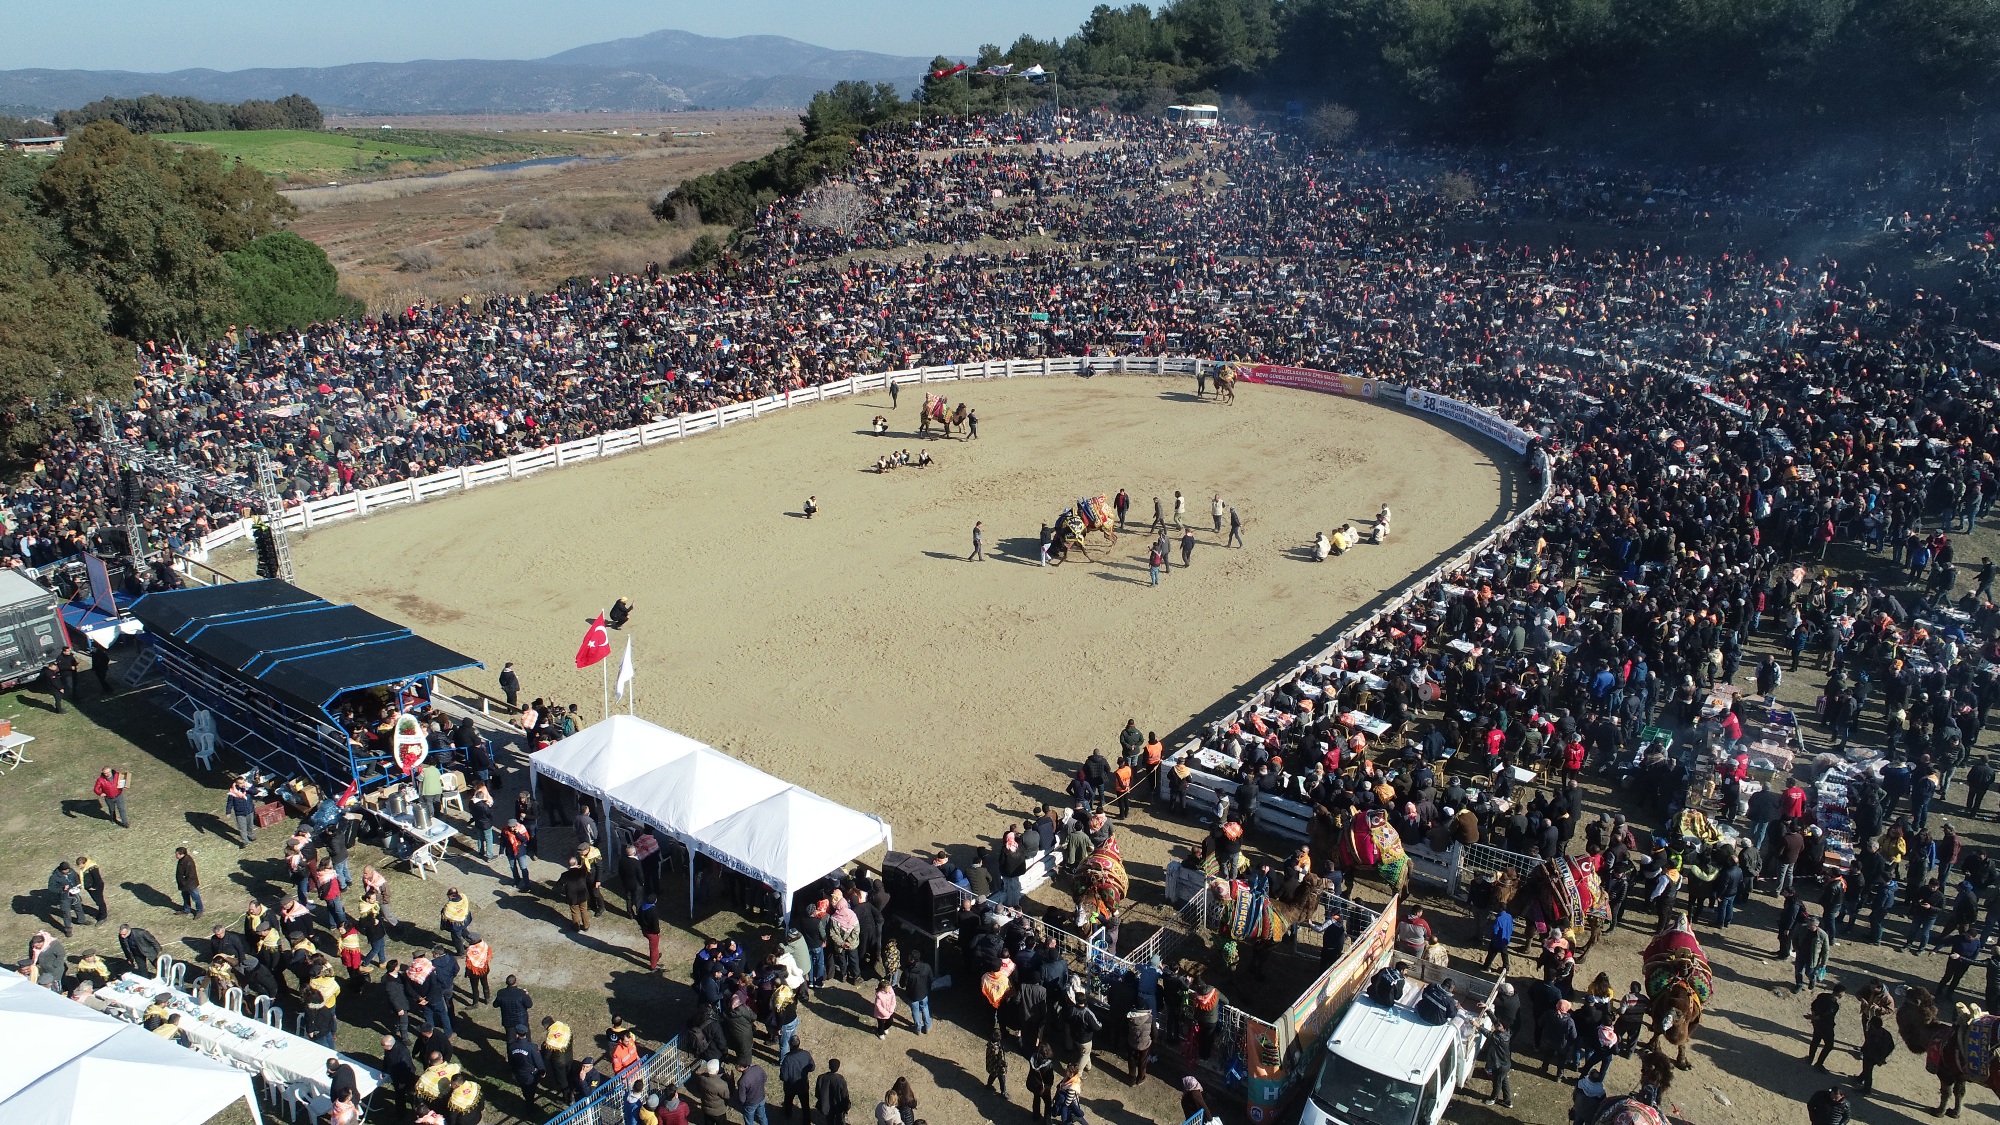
(1235, 246)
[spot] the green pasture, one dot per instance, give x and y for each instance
(356, 153)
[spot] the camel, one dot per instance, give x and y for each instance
(1225, 384)
(944, 421)
(1678, 981)
(1580, 924)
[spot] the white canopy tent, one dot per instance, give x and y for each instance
(67, 1064)
(785, 839)
(714, 805)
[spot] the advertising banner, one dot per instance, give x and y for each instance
(1471, 417)
(1306, 379)
(1290, 1040)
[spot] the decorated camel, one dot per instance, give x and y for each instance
(1678, 981)
(1368, 848)
(935, 413)
(1074, 527)
(1224, 378)
(1565, 895)
(1644, 1106)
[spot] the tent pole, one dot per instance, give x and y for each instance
(693, 856)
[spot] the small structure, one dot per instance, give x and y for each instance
(293, 683)
(49, 145)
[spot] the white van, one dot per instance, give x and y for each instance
(1388, 1066)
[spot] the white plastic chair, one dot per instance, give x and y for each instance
(233, 1000)
(204, 721)
(453, 797)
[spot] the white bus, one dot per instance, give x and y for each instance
(1196, 116)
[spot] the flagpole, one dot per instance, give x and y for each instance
(604, 666)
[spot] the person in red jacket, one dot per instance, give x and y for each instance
(110, 789)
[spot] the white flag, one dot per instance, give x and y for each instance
(625, 670)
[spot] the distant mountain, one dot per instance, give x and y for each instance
(664, 70)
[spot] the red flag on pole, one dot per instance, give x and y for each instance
(947, 72)
(596, 644)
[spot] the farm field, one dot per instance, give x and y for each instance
(308, 156)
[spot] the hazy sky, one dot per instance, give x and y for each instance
(150, 35)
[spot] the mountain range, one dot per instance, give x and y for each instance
(663, 70)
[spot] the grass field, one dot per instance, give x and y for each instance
(309, 156)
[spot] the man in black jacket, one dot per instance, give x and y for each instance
(631, 878)
(401, 1071)
(402, 1000)
(830, 1092)
(574, 887)
(140, 947)
(870, 946)
(794, 1070)
(1828, 1107)
(514, 1003)
(917, 986)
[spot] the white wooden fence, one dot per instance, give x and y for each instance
(416, 490)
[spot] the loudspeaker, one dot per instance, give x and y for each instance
(918, 893)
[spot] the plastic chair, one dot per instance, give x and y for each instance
(275, 1016)
(204, 721)
(260, 1009)
(203, 742)
(233, 1000)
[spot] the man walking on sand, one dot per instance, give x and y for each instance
(978, 543)
(1159, 515)
(1235, 529)
(1123, 504)
(1187, 546)
(892, 394)
(1180, 510)
(510, 683)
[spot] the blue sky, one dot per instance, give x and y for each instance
(152, 35)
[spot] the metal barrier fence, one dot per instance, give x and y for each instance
(1481, 858)
(663, 1069)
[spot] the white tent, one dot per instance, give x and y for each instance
(67, 1064)
(692, 792)
(792, 838)
(606, 755)
(713, 804)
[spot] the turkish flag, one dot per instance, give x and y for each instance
(596, 644)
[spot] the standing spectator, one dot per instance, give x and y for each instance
(1217, 510)
(110, 788)
(1878, 1044)
(1811, 945)
(648, 913)
(1964, 951)
(749, 1095)
(1500, 1062)
(480, 813)
(830, 1095)
(917, 976)
(1825, 1015)
(526, 1059)
(795, 1067)
(65, 896)
(243, 810)
(514, 1004)
(996, 1062)
(188, 880)
(1138, 1042)
(1154, 560)
(478, 965)
(455, 916)
(511, 684)
(885, 1008)
(1187, 547)
(93, 885)
(574, 887)
(516, 842)
(401, 1070)
(1828, 1107)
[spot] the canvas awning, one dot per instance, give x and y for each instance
(67, 1064)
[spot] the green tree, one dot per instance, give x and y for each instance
(284, 281)
(54, 351)
(258, 114)
(301, 113)
(148, 227)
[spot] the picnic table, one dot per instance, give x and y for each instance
(427, 842)
(10, 749)
(1365, 723)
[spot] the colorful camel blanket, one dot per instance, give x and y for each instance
(1629, 1111)
(1578, 892)
(1982, 1050)
(1675, 956)
(1103, 881)
(1096, 511)
(1370, 845)
(1694, 823)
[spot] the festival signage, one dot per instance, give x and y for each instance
(1307, 379)
(1277, 1064)
(1470, 416)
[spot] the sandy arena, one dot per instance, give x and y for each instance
(864, 641)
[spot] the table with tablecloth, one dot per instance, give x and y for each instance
(278, 1056)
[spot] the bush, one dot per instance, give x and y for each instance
(623, 220)
(473, 240)
(544, 216)
(706, 252)
(284, 281)
(417, 259)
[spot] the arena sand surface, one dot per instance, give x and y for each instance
(858, 653)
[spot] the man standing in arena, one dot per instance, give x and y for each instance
(1235, 529)
(1216, 509)
(1124, 504)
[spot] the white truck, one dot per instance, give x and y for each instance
(1386, 1065)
